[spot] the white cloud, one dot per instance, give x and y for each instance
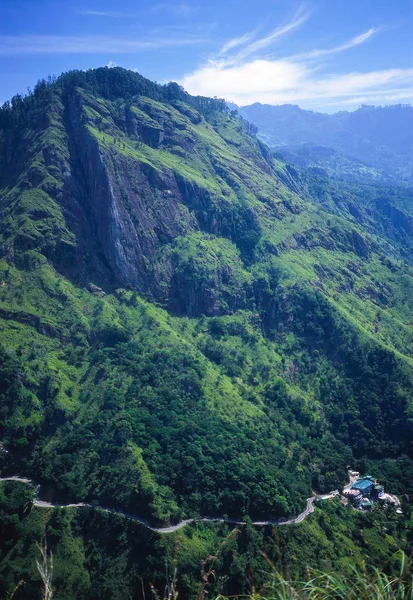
(242, 82)
(284, 81)
(111, 64)
(245, 76)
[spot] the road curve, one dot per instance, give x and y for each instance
(170, 529)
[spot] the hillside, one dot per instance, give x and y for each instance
(372, 143)
(189, 325)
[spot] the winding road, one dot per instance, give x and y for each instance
(170, 529)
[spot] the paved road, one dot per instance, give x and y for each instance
(298, 519)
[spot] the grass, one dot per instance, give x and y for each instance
(362, 584)
(356, 287)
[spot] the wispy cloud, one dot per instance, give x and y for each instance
(356, 41)
(238, 41)
(245, 71)
(182, 8)
(260, 44)
(393, 96)
(50, 44)
(112, 14)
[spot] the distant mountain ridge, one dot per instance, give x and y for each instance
(380, 137)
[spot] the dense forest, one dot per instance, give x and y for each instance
(190, 326)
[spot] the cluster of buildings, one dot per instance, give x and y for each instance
(365, 491)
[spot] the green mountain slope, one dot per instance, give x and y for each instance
(188, 327)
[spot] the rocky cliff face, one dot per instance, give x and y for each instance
(129, 180)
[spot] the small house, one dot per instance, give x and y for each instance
(365, 486)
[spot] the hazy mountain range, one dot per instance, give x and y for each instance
(371, 142)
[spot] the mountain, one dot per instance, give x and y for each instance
(189, 326)
(381, 138)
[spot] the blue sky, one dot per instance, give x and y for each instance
(321, 54)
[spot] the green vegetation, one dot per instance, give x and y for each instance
(360, 585)
(98, 555)
(189, 327)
